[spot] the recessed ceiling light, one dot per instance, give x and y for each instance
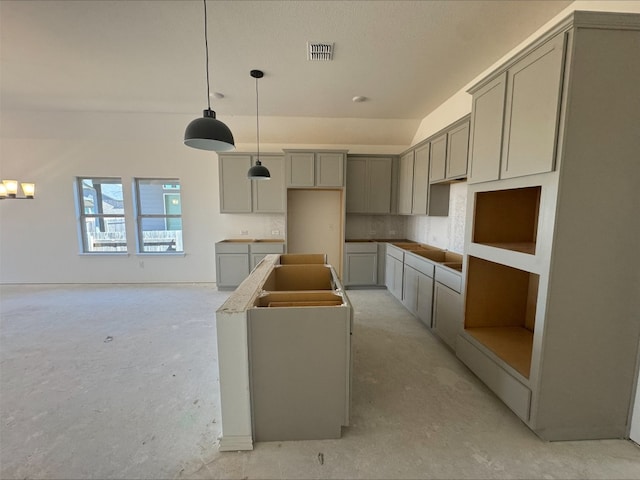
(359, 98)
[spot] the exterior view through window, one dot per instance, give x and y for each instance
(159, 215)
(101, 215)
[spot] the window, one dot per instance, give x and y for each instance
(101, 209)
(159, 215)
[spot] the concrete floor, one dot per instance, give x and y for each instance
(120, 381)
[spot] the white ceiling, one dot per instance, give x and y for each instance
(406, 57)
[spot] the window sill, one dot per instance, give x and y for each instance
(103, 254)
(161, 254)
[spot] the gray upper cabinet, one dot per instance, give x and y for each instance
(238, 194)
(405, 184)
(369, 185)
(532, 110)
(301, 169)
(486, 131)
(235, 187)
(449, 153)
(515, 117)
(438, 158)
(269, 196)
(420, 180)
(315, 169)
(458, 152)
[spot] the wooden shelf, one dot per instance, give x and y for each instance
(513, 345)
(522, 247)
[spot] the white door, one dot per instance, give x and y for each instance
(314, 224)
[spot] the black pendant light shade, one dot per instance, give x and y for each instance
(208, 133)
(258, 171)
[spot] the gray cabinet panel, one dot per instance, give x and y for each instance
(425, 299)
(269, 196)
(533, 103)
(361, 269)
(231, 269)
(357, 185)
(329, 169)
(300, 169)
(410, 289)
(458, 151)
(235, 187)
(420, 180)
(379, 188)
(448, 321)
(437, 170)
(405, 184)
(393, 276)
(486, 131)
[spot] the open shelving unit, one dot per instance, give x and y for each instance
(507, 219)
(501, 310)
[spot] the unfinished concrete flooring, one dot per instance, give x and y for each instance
(119, 381)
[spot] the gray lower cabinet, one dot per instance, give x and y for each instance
(361, 264)
(393, 274)
(236, 259)
(417, 294)
(448, 320)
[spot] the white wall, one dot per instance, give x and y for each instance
(39, 238)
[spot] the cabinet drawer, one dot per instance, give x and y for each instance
(232, 247)
(450, 279)
(419, 263)
(267, 247)
(513, 393)
(361, 247)
(395, 252)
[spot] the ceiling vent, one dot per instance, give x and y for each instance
(320, 51)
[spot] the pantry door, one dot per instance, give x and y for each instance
(314, 224)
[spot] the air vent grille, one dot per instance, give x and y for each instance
(320, 51)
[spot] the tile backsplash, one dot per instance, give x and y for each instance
(367, 227)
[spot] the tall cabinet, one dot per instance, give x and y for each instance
(551, 252)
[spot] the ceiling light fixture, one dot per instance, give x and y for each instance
(9, 190)
(208, 133)
(258, 171)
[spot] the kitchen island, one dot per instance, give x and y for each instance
(284, 354)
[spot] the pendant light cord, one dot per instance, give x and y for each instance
(206, 48)
(257, 122)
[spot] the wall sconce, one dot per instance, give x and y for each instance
(9, 190)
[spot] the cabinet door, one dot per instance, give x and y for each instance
(533, 104)
(425, 299)
(410, 289)
(361, 269)
(420, 180)
(448, 317)
(356, 185)
(379, 185)
(405, 184)
(487, 116)
(300, 169)
(231, 269)
(437, 170)
(235, 187)
(269, 196)
(458, 151)
(393, 276)
(329, 169)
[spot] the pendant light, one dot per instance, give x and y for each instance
(208, 133)
(258, 171)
